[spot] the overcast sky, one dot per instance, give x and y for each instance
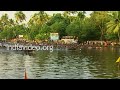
(29, 13)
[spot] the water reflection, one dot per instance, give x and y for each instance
(84, 64)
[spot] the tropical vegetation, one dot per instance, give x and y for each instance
(101, 25)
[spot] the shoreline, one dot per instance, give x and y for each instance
(60, 46)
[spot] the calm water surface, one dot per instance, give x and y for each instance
(64, 64)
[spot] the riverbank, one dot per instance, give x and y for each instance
(54, 46)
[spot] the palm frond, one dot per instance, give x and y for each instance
(109, 24)
(119, 15)
(115, 14)
(111, 29)
(116, 29)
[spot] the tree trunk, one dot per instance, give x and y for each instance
(101, 38)
(102, 33)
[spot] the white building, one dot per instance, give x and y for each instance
(54, 36)
(69, 39)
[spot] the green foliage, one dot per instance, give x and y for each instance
(100, 18)
(59, 27)
(89, 31)
(101, 25)
(73, 29)
(7, 33)
(39, 18)
(55, 18)
(42, 36)
(45, 29)
(20, 16)
(111, 36)
(114, 25)
(58, 24)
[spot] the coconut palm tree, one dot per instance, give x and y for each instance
(20, 16)
(70, 15)
(81, 15)
(39, 18)
(114, 25)
(11, 22)
(4, 21)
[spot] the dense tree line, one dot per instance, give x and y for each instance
(101, 25)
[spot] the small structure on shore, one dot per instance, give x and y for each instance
(20, 36)
(54, 36)
(69, 39)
